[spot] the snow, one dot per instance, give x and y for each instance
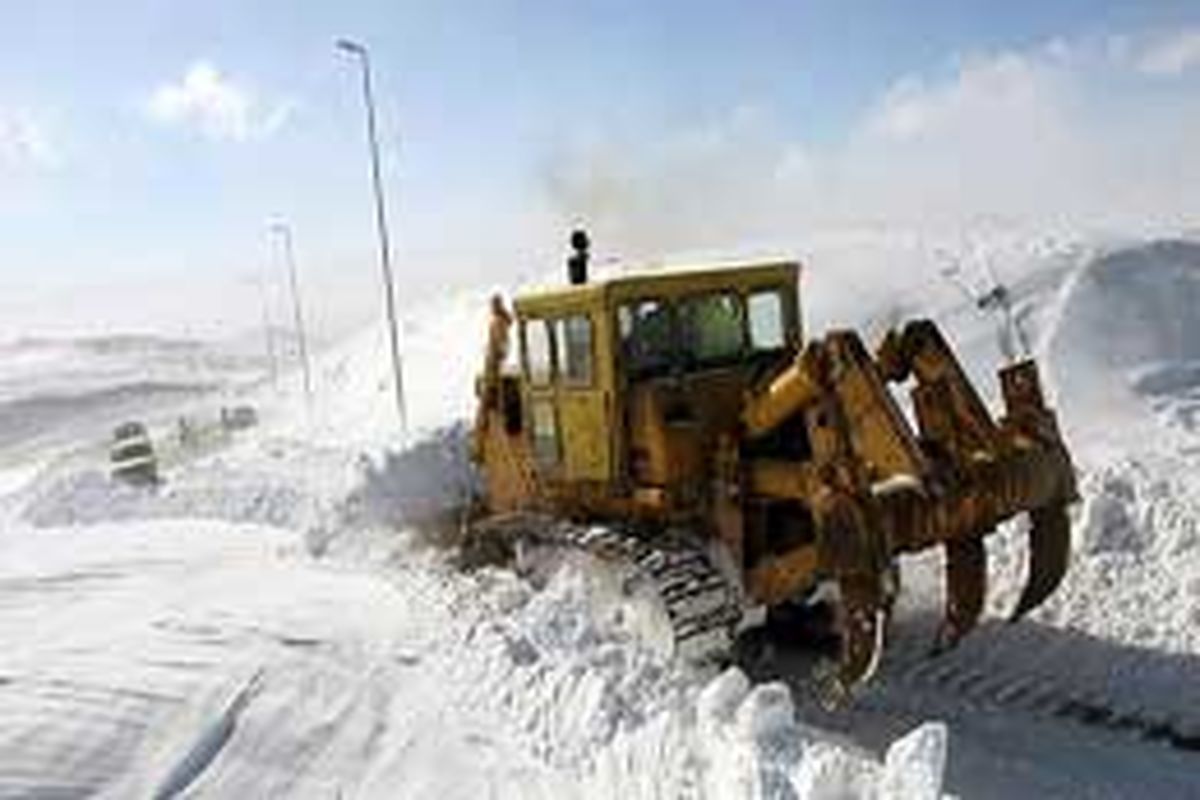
(914, 765)
(215, 657)
(56, 392)
(1127, 339)
(1128, 321)
(257, 627)
(273, 621)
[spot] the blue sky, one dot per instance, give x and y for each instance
(148, 142)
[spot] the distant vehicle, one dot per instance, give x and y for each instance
(132, 455)
(238, 418)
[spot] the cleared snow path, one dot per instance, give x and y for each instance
(164, 657)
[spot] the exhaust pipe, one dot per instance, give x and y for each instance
(577, 263)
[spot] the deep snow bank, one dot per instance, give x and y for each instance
(1134, 577)
(1121, 355)
(354, 405)
(1127, 340)
(1131, 307)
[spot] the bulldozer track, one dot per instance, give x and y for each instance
(703, 607)
(1128, 695)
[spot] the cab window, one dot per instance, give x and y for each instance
(545, 433)
(713, 330)
(647, 336)
(539, 357)
(575, 346)
(765, 310)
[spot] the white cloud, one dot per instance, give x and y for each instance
(1001, 135)
(220, 109)
(24, 142)
(1010, 85)
(1172, 54)
(1068, 132)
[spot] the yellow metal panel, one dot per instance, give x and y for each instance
(585, 434)
(667, 282)
(676, 283)
(777, 478)
(790, 392)
(776, 578)
(556, 302)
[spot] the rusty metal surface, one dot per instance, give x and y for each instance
(966, 584)
(1049, 552)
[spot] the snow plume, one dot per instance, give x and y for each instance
(1093, 132)
(1128, 334)
(722, 183)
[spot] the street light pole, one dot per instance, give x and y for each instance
(260, 283)
(285, 233)
(385, 257)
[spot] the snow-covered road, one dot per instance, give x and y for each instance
(159, 657)
(209, 658)
(128, 646)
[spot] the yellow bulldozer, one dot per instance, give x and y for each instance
(677, 426)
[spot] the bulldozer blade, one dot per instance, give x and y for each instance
(863, 623)
(966, 581)
(1049, 550)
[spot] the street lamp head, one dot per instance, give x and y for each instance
(351, 46)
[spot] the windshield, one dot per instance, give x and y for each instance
(694, 332)
(647, 329)
(712, 329)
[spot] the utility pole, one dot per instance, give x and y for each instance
(359, 51)
(285, 234)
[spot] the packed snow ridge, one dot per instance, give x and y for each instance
(275, 620)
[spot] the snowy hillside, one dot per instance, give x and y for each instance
(272, 621)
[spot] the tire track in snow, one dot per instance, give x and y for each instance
(209, 744)
(1045, 671)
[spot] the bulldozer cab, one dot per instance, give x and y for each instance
(625, 382)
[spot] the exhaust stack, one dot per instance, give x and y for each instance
(577, 263)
